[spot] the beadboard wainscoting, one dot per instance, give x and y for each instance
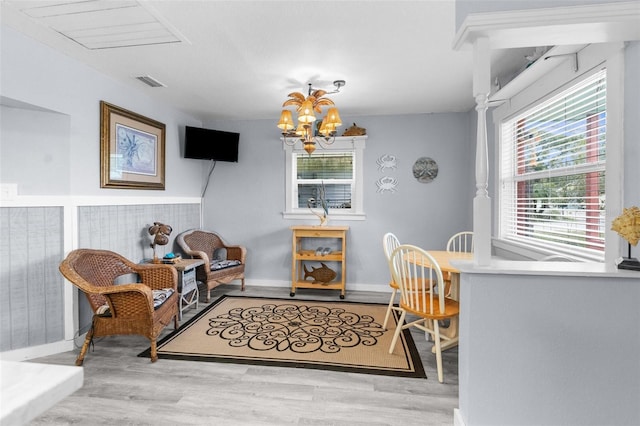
(41, 313)
(32, 302)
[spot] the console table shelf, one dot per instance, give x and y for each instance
(301, 254)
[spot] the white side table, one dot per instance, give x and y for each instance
(187, 283)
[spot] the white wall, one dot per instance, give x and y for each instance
(245, 201)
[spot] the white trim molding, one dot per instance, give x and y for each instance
(595, 23)
(341, 143)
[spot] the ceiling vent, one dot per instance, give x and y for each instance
(150, 81)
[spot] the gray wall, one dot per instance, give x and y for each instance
(35, 150)
(69, 161)
(544, 350)
(49, 147)
(245, 201)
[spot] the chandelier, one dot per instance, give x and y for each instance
(306, 132)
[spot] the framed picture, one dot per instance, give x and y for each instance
(131, 149)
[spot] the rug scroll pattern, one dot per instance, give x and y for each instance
(299, 328)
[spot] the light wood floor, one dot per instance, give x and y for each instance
(122, 389)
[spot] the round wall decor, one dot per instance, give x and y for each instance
(425, 169)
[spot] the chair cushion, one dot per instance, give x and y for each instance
(219, 254)
(223, 264)
(104, 311)
(161, 296)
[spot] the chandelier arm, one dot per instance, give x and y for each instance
(325, 141)
(291, 141)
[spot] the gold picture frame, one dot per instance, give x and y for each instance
(132, 149)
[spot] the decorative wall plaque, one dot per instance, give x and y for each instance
(425, 169)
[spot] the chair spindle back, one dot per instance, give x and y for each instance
(419, 278)
(461, 242)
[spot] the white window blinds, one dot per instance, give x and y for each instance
(332, 170)
(553, 170)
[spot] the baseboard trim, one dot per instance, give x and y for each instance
(376, 288)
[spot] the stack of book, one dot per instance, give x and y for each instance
(172, 259)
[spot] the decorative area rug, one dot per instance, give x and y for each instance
(339, 336)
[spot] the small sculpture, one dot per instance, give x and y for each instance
(425, 169)
(324, 216)
(355, 131)
(160, 233)
(627, 225)
(322, 275)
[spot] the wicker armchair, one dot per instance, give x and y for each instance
(210, 247)
(122, 308)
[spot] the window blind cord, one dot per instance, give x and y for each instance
(206, 184)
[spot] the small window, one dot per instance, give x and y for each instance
(332, 172)
(335, 169)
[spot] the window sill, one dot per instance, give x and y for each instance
(337, 216)
(522, 250)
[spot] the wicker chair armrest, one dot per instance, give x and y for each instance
(204, 256)
(157, 276)
(135, 294)
(236, 253)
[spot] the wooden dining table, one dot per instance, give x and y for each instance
(443, 258)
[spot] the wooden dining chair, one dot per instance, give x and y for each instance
(389, 243)
(422, 294)
(461, 242)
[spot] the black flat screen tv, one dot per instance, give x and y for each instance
(208, 144)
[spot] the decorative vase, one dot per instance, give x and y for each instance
(155, 257)
(324, 220)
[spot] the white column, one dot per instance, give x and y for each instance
(482, 202)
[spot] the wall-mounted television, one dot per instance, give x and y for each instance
(208, 144)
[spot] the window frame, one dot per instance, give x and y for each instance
(592, 59)
(353, 144)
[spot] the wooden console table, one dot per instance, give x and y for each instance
(304, 252)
